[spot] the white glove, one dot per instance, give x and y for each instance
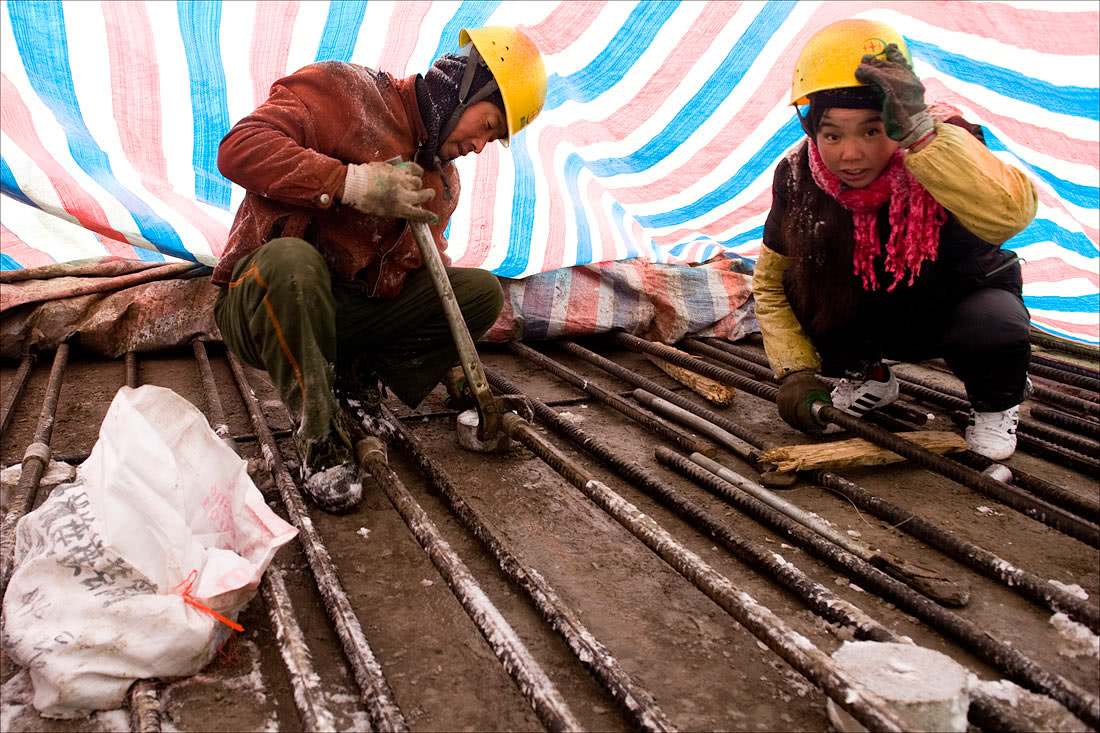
(382, 189)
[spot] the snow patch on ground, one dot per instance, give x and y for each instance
(1077, 640)
(1071, 588)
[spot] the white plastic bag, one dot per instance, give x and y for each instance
(122, 574)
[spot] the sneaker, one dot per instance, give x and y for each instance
(993, 434)
(329, 473)
(858, 397)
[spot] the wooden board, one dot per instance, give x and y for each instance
(857, 451)
(716, 392)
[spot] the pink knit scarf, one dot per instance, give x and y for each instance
(915, 219)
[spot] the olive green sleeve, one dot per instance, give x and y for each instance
(992, 199)
(788, 347)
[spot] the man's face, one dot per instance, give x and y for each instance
(481, 123)
(853, 145)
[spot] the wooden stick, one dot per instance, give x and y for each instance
(857, 451)
(716, 392)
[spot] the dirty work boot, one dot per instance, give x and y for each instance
(360, 392)
(993, 434)
(857, 397)
(329, 473)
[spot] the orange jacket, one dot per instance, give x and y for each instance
(291, 156)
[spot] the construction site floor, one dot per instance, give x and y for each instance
(702, 668)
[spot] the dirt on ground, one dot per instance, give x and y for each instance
(703, 669)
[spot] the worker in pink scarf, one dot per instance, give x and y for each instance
(883, 241)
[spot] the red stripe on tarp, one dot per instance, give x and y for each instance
(760, 204)
(15, 120)
(136, 94)
(270, 45)
(484, 193)
(1089, 332)
(1054, 270)
(400, 42)
(20, 251)
(606, 241)
(563, 26)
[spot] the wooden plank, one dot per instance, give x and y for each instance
(716, 392)
(857, 451)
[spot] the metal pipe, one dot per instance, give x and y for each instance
(1009, 495)
(144, 707)
(35, 460)
(1024, 582)
(1002, 656)
(375, 691)
(820, 599)
(984, 709)
(648, 421)
(637, 704)
(863, 704)
(15, 391)
(530, 679)
(309, 697)
(1080, 425)
(1064, 366)
(1065, 377)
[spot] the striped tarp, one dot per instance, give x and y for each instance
(662, 123)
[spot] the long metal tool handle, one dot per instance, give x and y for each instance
(487, 405)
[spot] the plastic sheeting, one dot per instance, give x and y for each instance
(662, 124)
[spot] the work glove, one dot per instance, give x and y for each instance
(797, 394)
(903, 110)
(382, 189)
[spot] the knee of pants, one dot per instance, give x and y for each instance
(292, 263)
(479, 295)
(990, 321)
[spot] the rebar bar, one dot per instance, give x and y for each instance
(649, 421)
(35, 460)
(637, 704)
(132, 379)
(1079, 425)
(1064, 366)
(309, 697)
(1045, 449)
(1012, 496)
(864, 705)
(820, 599)
(984, 709)
(375, 691)
(1006, 659)
(15, 391)
(1024, 582)
(541, 694)
(1082, 506)
(1065, 377)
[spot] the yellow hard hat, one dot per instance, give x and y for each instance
(829, 59)
(517, 67)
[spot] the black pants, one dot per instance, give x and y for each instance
(984, 338)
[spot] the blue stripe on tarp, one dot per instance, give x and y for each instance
(698, 303)
(200, 27)
(573, 165)
(7, 262)
(1069, 100)
(710, 95)
(618, 214)
(470, 14)
(786, 136)
(1087, 197)
(1063, 334)
(39, 30)
(745, 237)
(9, 186)
(1044, 230)
(523, 210)
(611, 64)
(1064, 303)
(342, 24)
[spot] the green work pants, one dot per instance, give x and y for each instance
(283, 312)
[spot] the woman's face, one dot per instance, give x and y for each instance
(853, 145)
(480, 124)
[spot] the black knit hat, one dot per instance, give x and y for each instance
(861, 97)
(437, 97)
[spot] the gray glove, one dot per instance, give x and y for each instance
(903, 110)
(382, 189)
